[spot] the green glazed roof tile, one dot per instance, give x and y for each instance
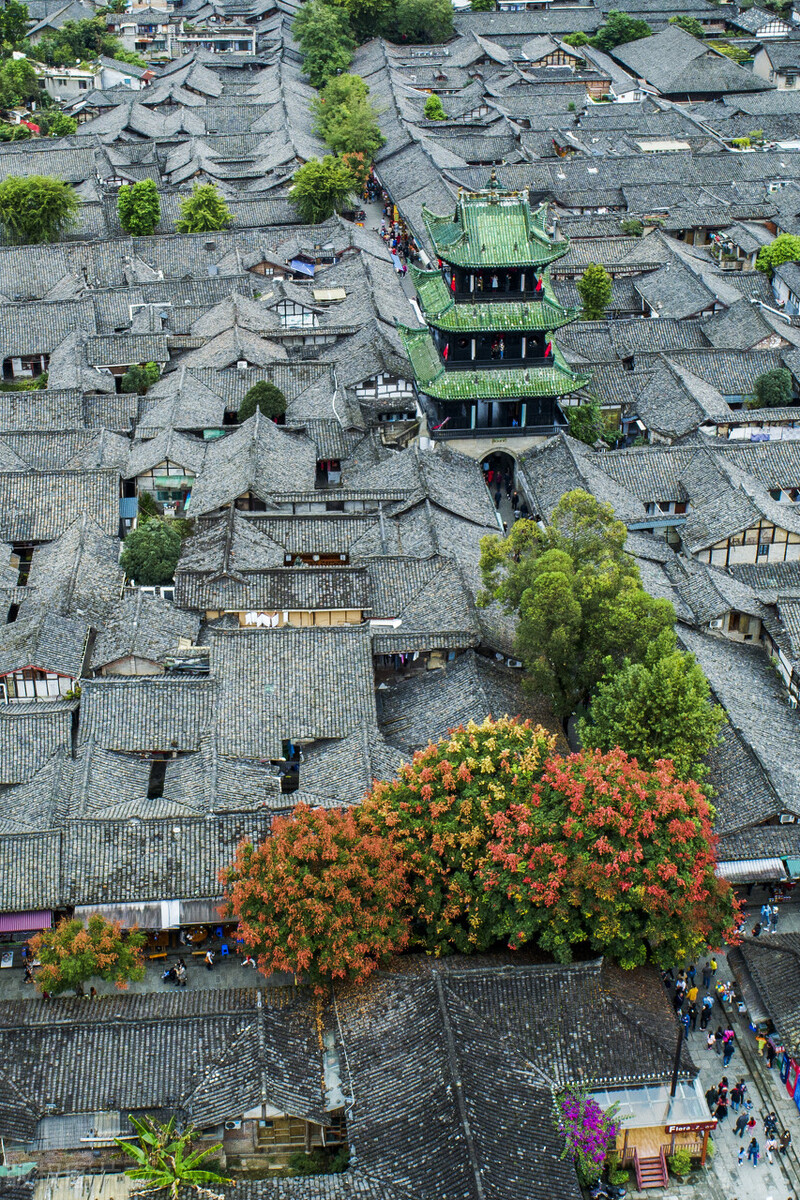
(493, 228)
(445, 313)
(492, 383)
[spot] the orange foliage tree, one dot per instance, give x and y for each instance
(440, 810)
(609, 854)
(71, 954)
(321, 897)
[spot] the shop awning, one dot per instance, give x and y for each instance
(793, 867)
(21, 922)
(302, 268)
(752, 870)
(200, 912)
(157, 914)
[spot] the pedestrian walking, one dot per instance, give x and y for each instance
(706, 975)
(786, 1141)
(713, 966)
(718, 1040)
(740, 1126)
(706, 1007)
(711, 1098)
(693, 1016)
(686, 1021)
(736, 1097)
(691, 995)
(772, 1144)
(753, 1151)
(711, 1040)
(771, 1125)
(721, 1110)
(677, 1000)
(692, 972)
(773, 917)
(209, 960)
(761, 1041)
(751, 1124)
(770, 1052)
(741, 1155)
(765, 911)
(728, 1053)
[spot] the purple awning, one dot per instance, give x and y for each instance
(18, 922)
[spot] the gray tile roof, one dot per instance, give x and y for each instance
(260, 457)
(47, 641)
(150, 713)
(678, 64)
(290, 684)
(40, 507)
(427, 704)
(29, 735)
(752, 695)
(142, 626)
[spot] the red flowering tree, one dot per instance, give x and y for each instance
(608, 853)
(320, 897)
(440, 811)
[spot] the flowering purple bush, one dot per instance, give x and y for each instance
(588, 1131)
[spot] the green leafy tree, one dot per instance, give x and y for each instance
(130, 57)
(18, 83)
(59, 124)
(14, 20)
(440, 812)
(579, 38)
(36, 208)
(321, 188)
(433, 109)
(265, 397)
(577, 597)
(369, 18)
(14, 133)
(139, 207)
(782, 249)
(326, 40)
(612, 857)
(322, 897)
(632, 226)
(344, 117)
(77, 41)
(139, 378)
(71, 954)
(150, 553)
(204, 211)
(168, 1161)
(773, 389)
(618, 29)
(482, 5)
(423, 20)
(594, 288)
(659, 708)
(690, 24)
(588, 424)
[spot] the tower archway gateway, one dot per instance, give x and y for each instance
(488, 362)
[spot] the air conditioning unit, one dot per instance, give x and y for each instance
(233, 1124)
(715, 624)
(242, 364)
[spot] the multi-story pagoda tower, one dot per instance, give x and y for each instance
(488, 360)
